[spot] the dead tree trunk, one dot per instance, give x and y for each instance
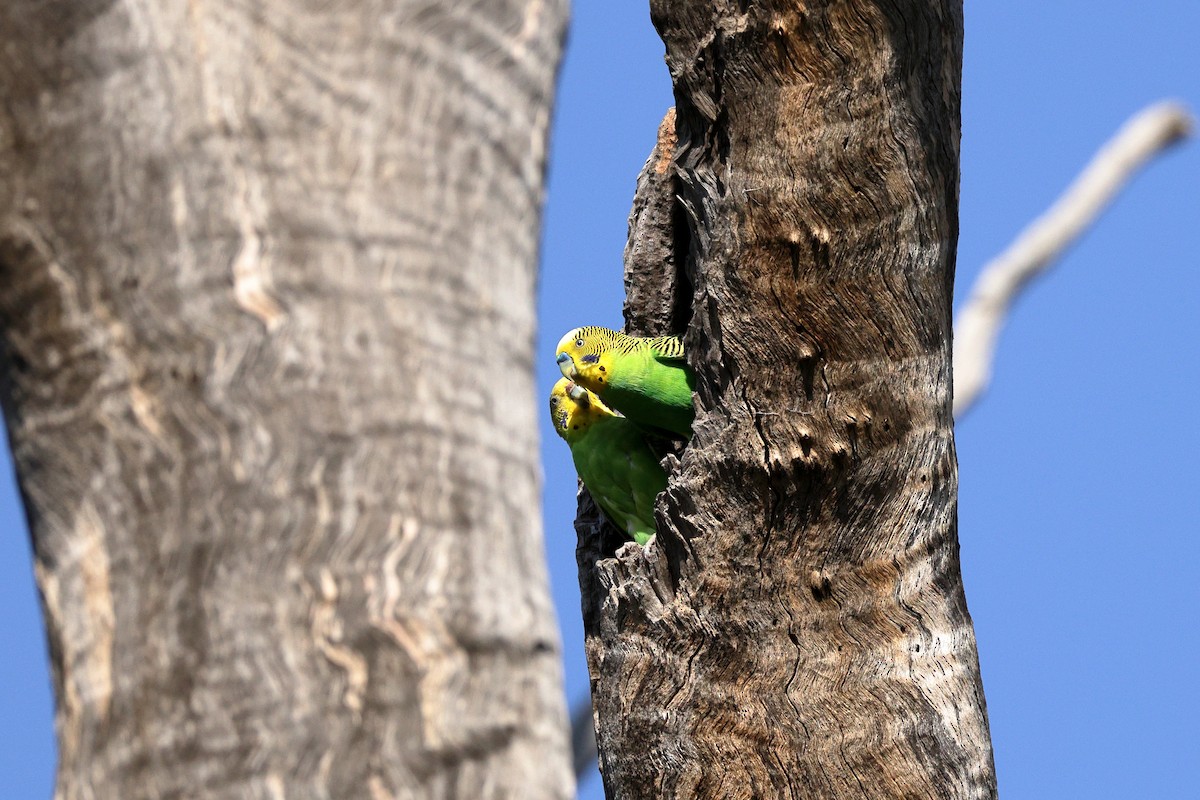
(266, 316)
(798, 627)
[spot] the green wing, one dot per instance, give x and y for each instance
(648, 481)
(622, 475)
(652, 385)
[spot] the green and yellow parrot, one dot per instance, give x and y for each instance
(612, 459)
(647, 380)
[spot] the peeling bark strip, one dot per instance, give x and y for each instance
(658, 298)
(798, 627)
(246, 252)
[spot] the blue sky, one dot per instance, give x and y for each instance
(1080, 486)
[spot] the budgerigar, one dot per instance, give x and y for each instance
(646, 379)
(612, 459)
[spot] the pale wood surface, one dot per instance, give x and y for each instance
(266, 316)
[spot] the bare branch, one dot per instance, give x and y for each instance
(1147, 134)
(583, 738)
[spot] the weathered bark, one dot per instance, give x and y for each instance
(798, 626)
(657, 295)
(266, 316)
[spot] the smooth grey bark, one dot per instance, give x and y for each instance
(266, 339)
(798, 627)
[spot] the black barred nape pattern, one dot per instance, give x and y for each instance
(669, 346)
(598, 340)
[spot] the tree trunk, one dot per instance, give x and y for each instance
(266, 316)
(798, 627)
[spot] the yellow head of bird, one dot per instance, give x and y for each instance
(583, 355)
(573, 408)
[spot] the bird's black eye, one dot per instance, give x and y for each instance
(553, 401)
(579, 342)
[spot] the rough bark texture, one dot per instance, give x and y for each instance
(657, 295)
(266, 322)
(798, 626)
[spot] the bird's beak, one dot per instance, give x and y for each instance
(579, 395)
(566, 365)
